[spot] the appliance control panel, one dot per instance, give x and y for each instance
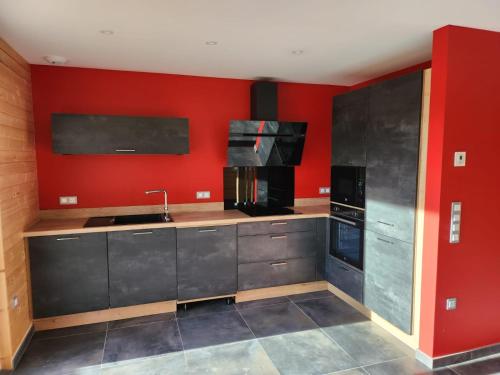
(456, 215)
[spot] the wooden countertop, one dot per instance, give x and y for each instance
(48, 227)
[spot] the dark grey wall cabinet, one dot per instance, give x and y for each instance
(392, 156)
(389, 279)
(206, 262)
(345, 277)
(69, 274)
(97, 134)
(142, 266)
(350, 118)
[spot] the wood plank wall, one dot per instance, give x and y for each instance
(18, 198)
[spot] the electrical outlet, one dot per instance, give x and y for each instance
(202, 195)
(68, 200)
(459, 160)
(451, 304)
(324, 190)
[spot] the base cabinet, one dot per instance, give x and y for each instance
(206, 262)
(389, 279)
(142, 266)
(69, 274)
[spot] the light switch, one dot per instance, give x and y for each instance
(459, 160)
(451, 304)
(456, 214)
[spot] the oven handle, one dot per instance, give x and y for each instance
(344, 220)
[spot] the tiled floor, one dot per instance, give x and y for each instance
(313, 333)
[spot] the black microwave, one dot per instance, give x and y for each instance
(347, 185)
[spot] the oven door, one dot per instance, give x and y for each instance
(346, 240)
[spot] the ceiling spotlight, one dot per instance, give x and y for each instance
(298, 52)
(107, 32)
(55, 60)
(211, 43)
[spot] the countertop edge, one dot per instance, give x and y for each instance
(176, 224)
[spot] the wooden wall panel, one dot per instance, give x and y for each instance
(18, 198)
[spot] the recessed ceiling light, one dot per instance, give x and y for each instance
(107, 32)
(55, 60)
(211, 43)
(298, 52)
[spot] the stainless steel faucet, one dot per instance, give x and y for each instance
(165, 207)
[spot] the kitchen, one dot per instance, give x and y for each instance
(180, 221)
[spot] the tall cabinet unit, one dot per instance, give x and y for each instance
(391, 197)
(379, 127)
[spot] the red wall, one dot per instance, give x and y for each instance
(464, 116)
(209, 103)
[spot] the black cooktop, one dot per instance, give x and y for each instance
(256, 210)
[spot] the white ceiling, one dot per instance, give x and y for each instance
(344, 41)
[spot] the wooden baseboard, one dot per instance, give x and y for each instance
(410, 340)
(280, 291)
(100, 316)
(205, 299)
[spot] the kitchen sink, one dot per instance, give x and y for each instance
(103, 221)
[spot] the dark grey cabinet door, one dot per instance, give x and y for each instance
(206, 262)
(392, 156)
(301, 270)
(69, 274)
(142, 266)
(264, 247)
(262, 275)
(350, 117)
(389, 279)
(97, 134)
(321, 243)
(276, 226)
(345, 278)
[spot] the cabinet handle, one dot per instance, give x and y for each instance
(277, 237)
(383, 222)
(141, 233)
(125, 150)
(344, 268)
(389, 242)
(206, 230)
(279, 264)
(279, 223)
(67, 238)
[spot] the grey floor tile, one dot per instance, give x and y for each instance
(367, 343)
(485, 366)
(167, 364)
(331, 311)
(141, 341)
(276, 319)
(404, 366)
(70, 331)
(68, 354)
(213, 329)
(354, 371)
(261, 303)
(123, 323)
(204, 307)
(307, 352)
(246, 357)
(309, 296)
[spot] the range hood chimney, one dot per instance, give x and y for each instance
(264, 101)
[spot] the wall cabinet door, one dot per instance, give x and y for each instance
(206, 262)
(96, 134)
(350, 117)
(389, 279)
(69, 274)
(392, 156)
(142, 266)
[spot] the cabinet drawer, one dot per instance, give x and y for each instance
(142, 266)
(276, 226)
(268, 274)
(266, 247)
(69, 274)
(206, 262)
(389, 279)
(345, 278)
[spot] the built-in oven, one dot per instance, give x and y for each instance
(347, 234)
(347, 185)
